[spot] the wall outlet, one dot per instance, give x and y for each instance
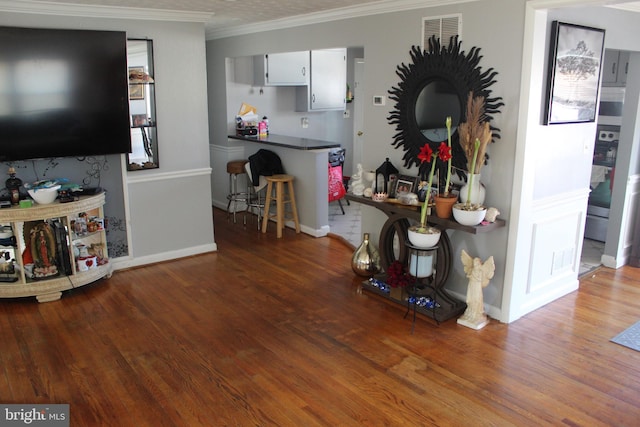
(304, 122)
(346, 114)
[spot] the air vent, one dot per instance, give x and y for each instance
(443, 27)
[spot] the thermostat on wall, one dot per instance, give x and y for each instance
(378, 99)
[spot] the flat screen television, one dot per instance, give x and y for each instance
(63, 93)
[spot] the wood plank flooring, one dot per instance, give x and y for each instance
(269, 332)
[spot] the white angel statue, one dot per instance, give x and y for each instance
(356, 185)
(479, 275)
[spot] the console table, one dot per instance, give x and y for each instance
(399, 219)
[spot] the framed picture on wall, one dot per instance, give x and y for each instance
(573, 75)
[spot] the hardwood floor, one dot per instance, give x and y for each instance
(270, 332)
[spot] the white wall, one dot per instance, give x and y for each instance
(161, 202)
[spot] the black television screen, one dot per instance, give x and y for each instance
(63, 93)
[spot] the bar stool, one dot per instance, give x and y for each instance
(255, 199)
(235, 168)
(281, 200)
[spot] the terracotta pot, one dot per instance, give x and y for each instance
(444, 205)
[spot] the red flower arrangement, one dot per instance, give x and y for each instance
(427, 155)
(397, 275)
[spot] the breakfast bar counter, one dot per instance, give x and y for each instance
(307, 160)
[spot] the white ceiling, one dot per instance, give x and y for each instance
(224, 17)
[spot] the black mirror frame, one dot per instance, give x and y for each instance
(453, 66)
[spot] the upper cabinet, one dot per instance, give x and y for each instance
(142, 106)
(615, 67)
(282, 69)
(328, 82)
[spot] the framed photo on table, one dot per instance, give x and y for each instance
(405, 184)
(573, 75)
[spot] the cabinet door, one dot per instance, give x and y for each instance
(610, 66)
(623, 67)
(328, 87)
(283, 69)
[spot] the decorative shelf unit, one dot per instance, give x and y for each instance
(64, 231)
(396, 225)
(142, 106)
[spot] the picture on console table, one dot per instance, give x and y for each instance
(405, 184)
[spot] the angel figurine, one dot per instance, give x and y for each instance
(479, 275)
(356, 186)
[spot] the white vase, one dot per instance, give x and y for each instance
(477, 191)
(423, 240)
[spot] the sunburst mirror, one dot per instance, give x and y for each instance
(435, 85)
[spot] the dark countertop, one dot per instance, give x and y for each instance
(289, 142)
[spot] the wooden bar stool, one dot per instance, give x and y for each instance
(281, 200)
(235, 168)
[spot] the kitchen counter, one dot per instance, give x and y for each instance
(308, 161)
(289, 142)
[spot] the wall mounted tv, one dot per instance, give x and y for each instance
(63, 93)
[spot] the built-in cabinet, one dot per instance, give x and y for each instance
(142, 106)
(327, 87)
(48, 249)
(282, 69)
(615, 67)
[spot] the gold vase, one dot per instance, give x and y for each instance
(366, 259)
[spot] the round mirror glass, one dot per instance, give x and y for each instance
(437, 100)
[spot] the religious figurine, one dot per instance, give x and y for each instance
(479, 275)
(356, 185)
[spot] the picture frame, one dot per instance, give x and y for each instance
(573, 74)
(136, 90)
(139, 120)
(405, 183)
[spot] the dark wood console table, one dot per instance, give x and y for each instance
(399, 219)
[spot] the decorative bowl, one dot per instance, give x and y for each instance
(427, 239)
(468, 216)
(45, 195)
(379, 197)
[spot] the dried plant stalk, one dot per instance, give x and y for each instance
(476, 126)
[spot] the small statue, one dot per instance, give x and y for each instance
(356, 185)
(491, 214)
(479, 275)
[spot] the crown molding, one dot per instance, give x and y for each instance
(98, 11)
(375, 8)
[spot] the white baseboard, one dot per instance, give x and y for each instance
(128, 262)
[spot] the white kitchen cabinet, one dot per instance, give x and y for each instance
(282, 69)
(615, 67)
(328, 82)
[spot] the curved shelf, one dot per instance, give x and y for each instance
(50, 289)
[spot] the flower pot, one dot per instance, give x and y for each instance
(444, 205)
(423, 239)
(468, 216)
(477, 190)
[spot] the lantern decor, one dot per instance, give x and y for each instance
(422, 266)
(386, 169)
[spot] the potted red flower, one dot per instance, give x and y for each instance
(424, 235)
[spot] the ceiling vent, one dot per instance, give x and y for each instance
(443, 27)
